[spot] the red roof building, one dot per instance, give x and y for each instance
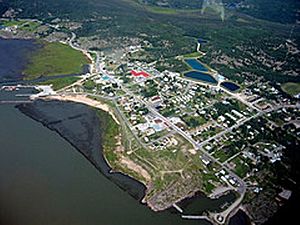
(137, 74)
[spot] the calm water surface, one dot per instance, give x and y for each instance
(196, 65)
(14, 57)
(201, 77)
(230, 86)
(44, 180)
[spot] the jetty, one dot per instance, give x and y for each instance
(194, 217)
(15, 102)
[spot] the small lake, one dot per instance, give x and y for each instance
(14, 56)
(230, 86)
(201, 77)
(196, 65)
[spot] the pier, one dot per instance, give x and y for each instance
(178, 208)
(194, 217)
(15, 102)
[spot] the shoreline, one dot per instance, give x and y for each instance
(83, 99)
(133, 187)
(131, 165)
(237, 214)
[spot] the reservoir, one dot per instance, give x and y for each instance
(196, 65)
(196, 75)
(230, 86)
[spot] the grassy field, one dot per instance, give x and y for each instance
(291, 88)
(10, 23)
(111, 130)
(241, 168)
(193, 55)
(22, 24)
(55, 59)
(60, 83)
(30, 26)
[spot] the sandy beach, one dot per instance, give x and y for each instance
(136, 168)
(85, 100)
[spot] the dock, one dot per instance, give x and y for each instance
(178, 208)
(194, 217)
(15, 102)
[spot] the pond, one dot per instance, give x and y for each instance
(196, 65)
(230, 86)
(201, 77)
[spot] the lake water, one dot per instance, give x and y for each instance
(44, 180)
(230, 86)
(196, 65)
(201, 77)
(14, 57)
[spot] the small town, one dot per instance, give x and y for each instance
(178, 128)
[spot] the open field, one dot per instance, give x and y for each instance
(55, 59)
(291, 88)
(21, 24)
(10, 23)
(59, 83)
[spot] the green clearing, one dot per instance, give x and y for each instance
(192, 121)
(241, 168)
(59, 83)
(22, 24)
(110, 132)
(30, 26)
(192, 55)
(291, 88)
(208, 180)
(11, 23)
(89, 85)
(221, 155)
(55, 59)
(170, 11)
(161, 10)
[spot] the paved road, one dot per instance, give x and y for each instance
(199, 146)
